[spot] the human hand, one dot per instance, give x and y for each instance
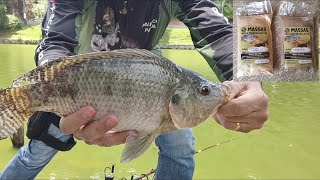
(83, 127)
(247, 110)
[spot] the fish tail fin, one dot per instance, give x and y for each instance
(15, 108)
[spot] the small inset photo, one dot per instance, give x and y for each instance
(276, 40)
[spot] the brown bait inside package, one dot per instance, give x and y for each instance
(255, 54)
(295, 37)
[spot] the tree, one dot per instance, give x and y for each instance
(18, 10)
(3, 18)
(226, 7)
(30, 16)
(8, 5)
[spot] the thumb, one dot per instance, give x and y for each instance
(236, 88)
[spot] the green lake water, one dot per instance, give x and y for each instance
(286, 148)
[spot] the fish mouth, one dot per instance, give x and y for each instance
(226, 92)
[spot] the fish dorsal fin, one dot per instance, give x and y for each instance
(124, 53)
(49, 70)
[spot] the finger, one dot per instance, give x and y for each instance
(97, 128)
(244, 127)
(236, 88)
(226, 124)
(114, 138)
(75, 121)
(77, 136)
(254, 85)
(239, 88)
(237, 107)
(258, 117)
(243, 105)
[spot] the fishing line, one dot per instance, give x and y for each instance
(218, 144)
(110, 175)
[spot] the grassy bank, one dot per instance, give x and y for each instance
(26, 32)
(176, 36)
(172, 36)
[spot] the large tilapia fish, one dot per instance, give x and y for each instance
(149, 94)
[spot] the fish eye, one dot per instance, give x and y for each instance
(204, 90)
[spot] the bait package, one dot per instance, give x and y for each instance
(276, 40)
(253, 45)
(295, 42)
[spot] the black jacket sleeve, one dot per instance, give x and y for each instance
(59, 30)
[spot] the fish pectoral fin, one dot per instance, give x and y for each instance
(136, 146)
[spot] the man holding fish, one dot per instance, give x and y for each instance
(78, 27)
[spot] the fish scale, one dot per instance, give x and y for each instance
(127, 100)
(135, 85)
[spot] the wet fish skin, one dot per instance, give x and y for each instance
(149, 94)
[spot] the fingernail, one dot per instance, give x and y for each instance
(88, 113)
(113, 119)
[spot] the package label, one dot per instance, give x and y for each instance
(255, 46)
(297, 50)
